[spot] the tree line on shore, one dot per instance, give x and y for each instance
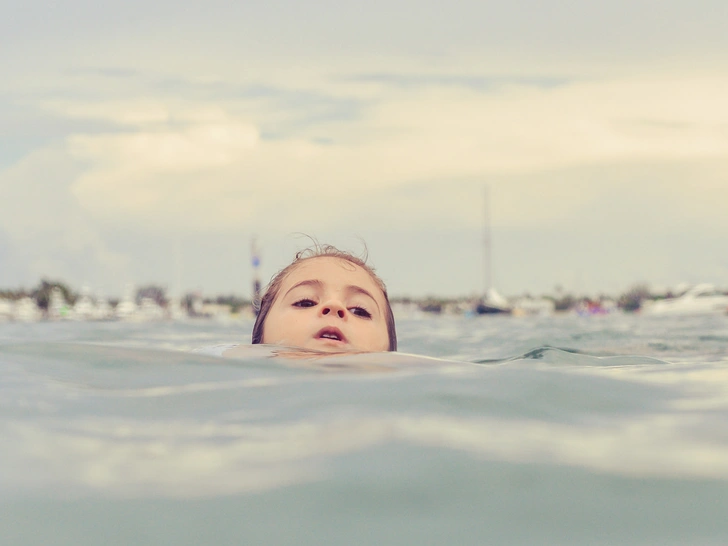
(42, 295)
(630, 300)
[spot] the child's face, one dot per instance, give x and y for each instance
(328, 304)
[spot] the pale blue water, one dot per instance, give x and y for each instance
(569, 430)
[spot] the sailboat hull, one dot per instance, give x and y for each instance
(485, 309)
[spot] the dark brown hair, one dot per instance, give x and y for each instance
(319, 251)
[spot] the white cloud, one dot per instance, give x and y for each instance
(274, 132)
(204, 164)
(49, 232)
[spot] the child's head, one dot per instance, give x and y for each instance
(328, 300)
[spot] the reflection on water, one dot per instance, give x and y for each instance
(579, 436)
(189, 459)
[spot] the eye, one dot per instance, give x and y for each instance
(305, 302)
(360, 312)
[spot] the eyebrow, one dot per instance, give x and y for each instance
(349, 288)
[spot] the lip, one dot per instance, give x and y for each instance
(331, 330)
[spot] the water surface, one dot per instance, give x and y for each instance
(500, 430)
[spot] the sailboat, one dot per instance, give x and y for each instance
(491, 302)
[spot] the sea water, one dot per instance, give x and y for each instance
(504, 430)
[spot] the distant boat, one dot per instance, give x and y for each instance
(126, 309)
(26, 310)
(528, 306)
(84, 308)
(6, 310)
(492, 302)
(590, 308)
(702, 299)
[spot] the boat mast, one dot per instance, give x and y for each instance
(255, 259)
(178, 270)
(486, 243)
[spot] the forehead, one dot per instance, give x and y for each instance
(332, 270)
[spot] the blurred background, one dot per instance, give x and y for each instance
(149, 146)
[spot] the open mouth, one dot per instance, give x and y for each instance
(334, 334)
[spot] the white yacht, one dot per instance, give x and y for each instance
(149, 310)
(528, 306)
(85, 307)
(26, 310)
(126, 309)
(6, 310)
(700, 300)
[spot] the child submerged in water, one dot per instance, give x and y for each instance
(326, 300)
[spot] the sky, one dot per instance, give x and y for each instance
(149, 142)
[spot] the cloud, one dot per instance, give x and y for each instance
(47, 233)
(579, 120)
(177, 164)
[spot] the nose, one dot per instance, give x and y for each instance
(333, 308)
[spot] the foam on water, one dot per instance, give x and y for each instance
(511, 431)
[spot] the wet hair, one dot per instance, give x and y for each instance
(320, 251)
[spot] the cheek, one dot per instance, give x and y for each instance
(270, 328)
(279, 324)
(379, 338)
(265, 338)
